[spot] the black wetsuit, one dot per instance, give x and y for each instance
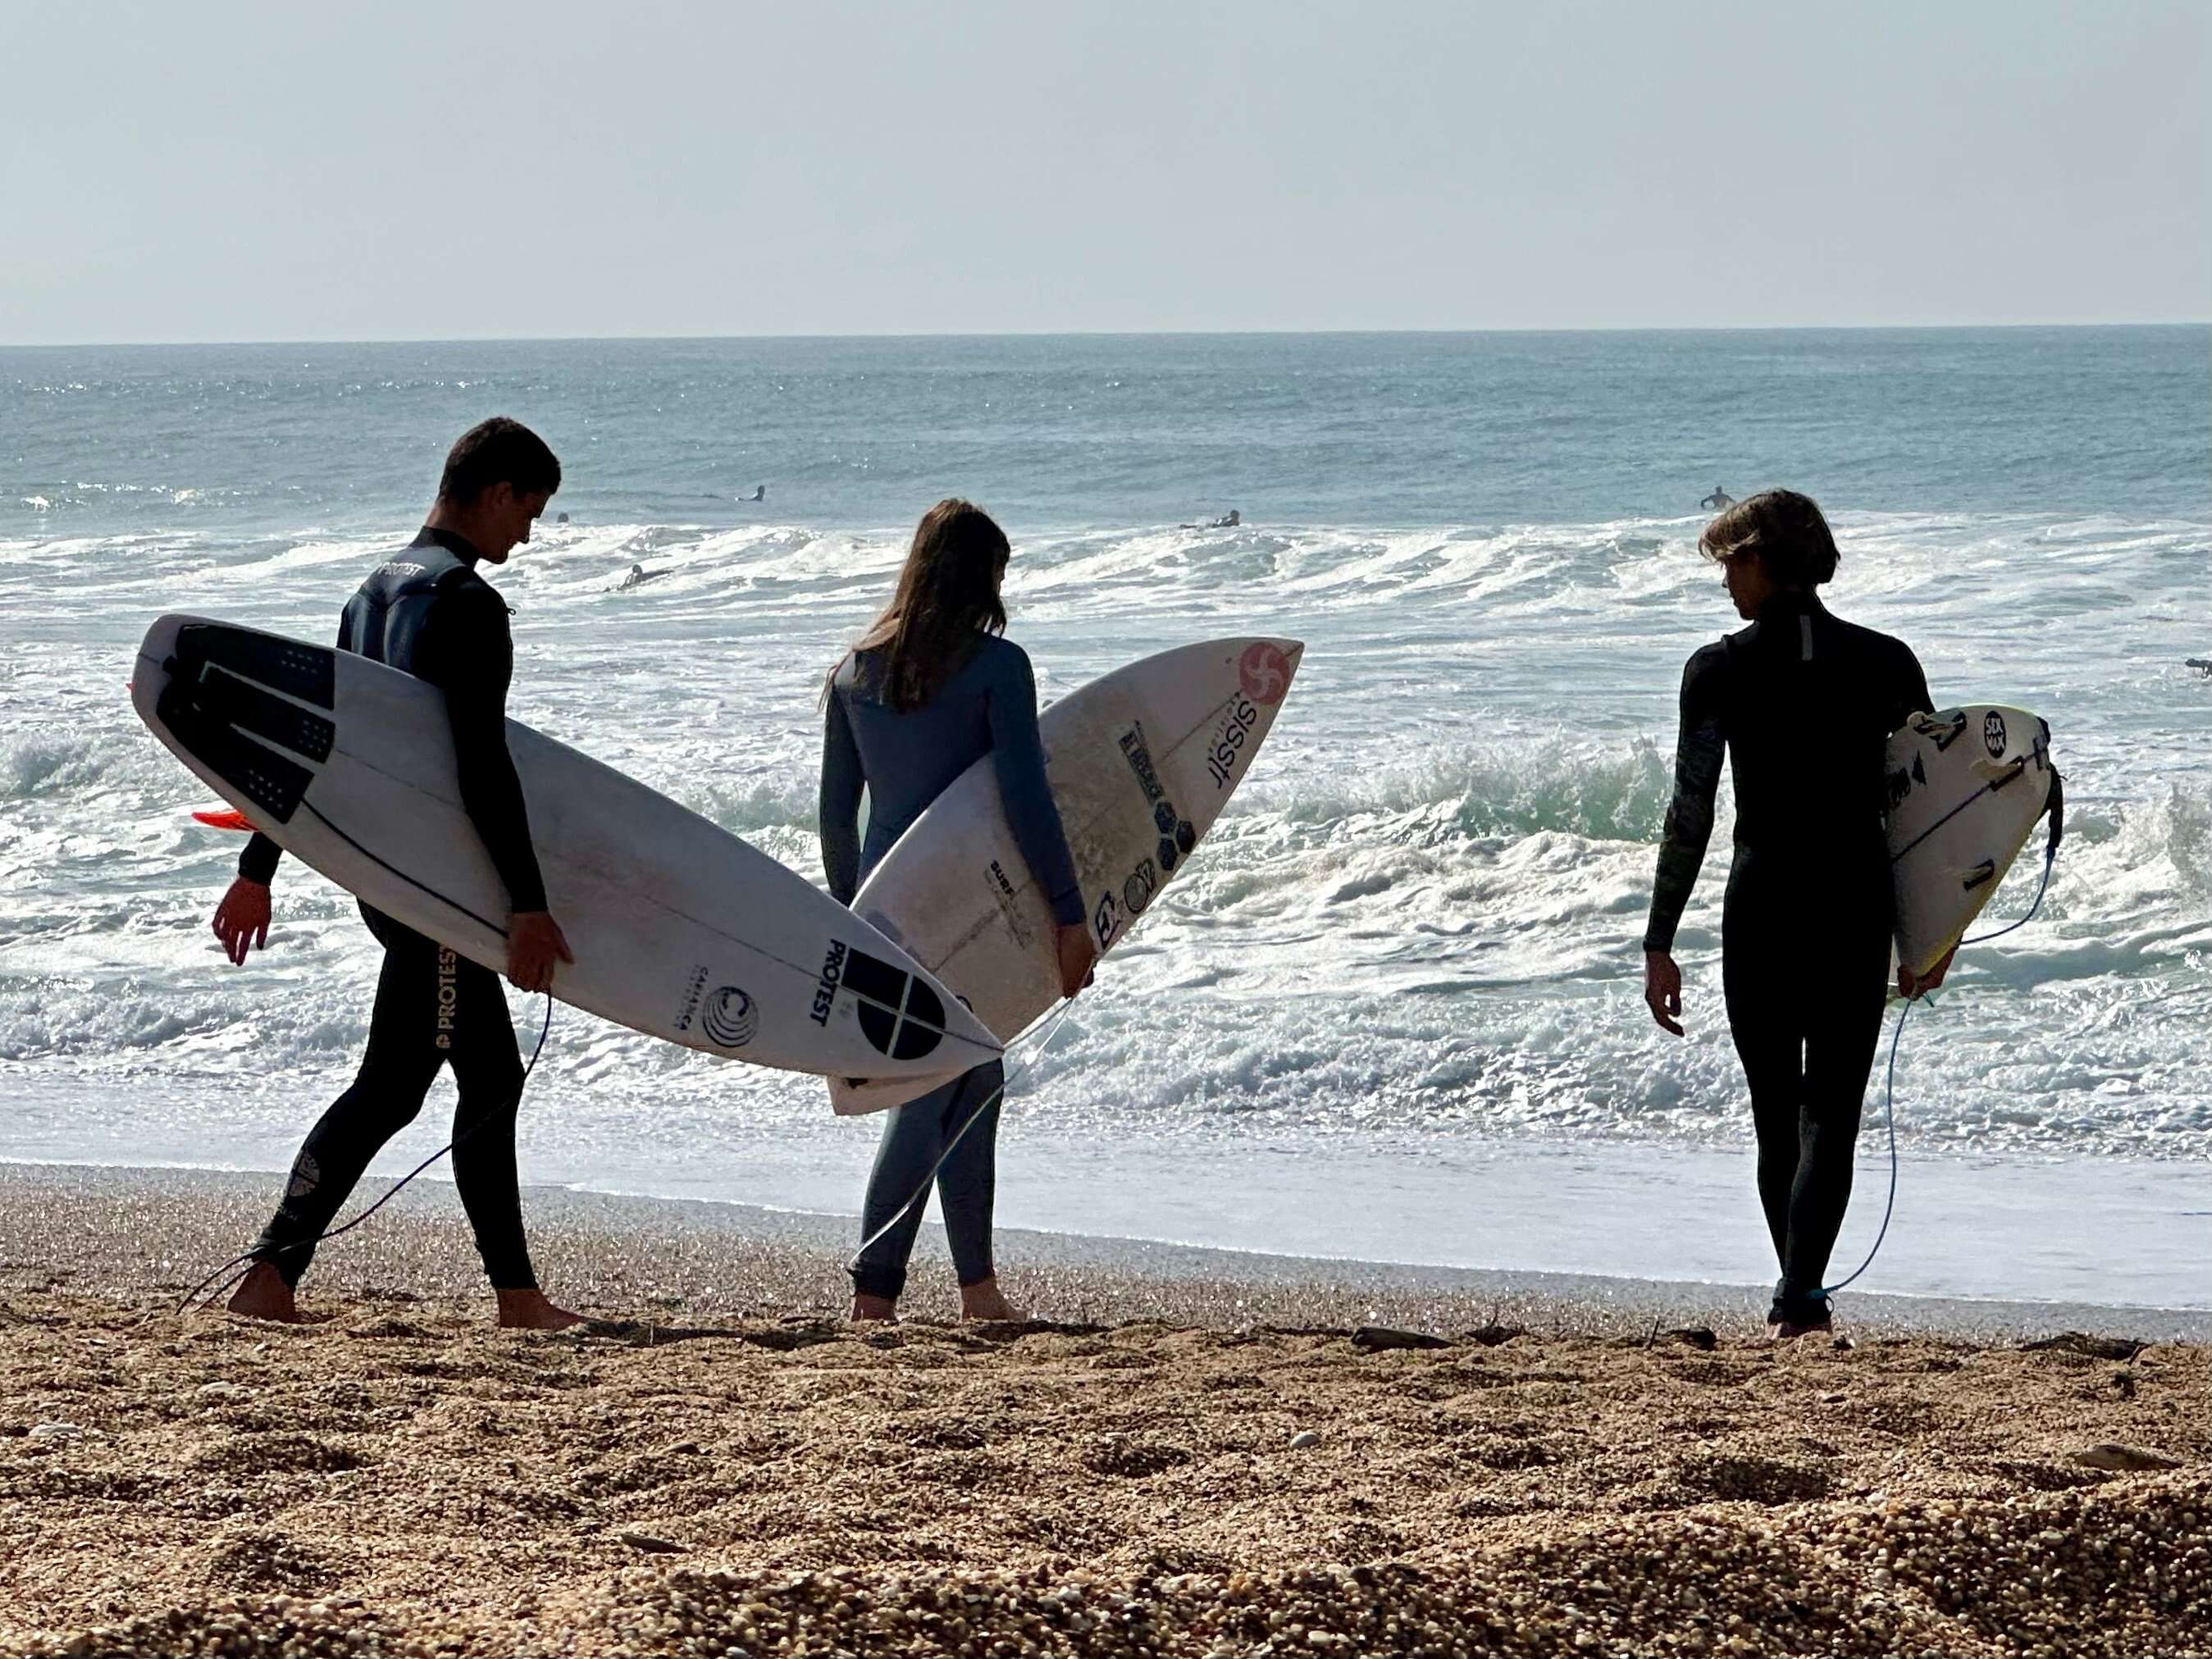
(1804, 705)
(427, 611)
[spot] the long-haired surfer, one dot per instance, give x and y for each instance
(930, 689)
(1802, 703)
(428, 611)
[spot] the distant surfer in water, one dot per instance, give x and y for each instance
(930, 689)
(428, 611)
(760, 493)
(1802, 704)
(1719, 501)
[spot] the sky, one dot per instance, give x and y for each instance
(401, 170)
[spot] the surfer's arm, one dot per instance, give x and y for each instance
(1018, 755)
(1700, 750)
(1913, 687)
(479, 664)
(838, 806)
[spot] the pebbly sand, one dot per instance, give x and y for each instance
(1205, 1455)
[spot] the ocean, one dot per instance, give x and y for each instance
(1394, 1009)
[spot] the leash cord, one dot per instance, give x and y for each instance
(245, 1264)
(1050, 1025)
(1889, 1090)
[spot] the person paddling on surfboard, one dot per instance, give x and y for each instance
(929, 689)
(428, 611)
(1803, 704)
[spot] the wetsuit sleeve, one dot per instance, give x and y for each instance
(479, 662)
(1700, 747)
(258, 861)
(838, 807)
(1914, 697)
(1017, 754)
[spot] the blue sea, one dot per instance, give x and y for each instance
(1393, 1009)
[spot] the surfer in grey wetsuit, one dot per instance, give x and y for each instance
(1802, 703)
(930, 689)
(428, 611)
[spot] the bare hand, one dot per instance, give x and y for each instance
(1912, 987)
(1077, 957)
(241, 921)
(534, 944)
(1662, 990)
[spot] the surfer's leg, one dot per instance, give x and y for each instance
(1839, 1052)
(1770, 1041)
(968, 1183)
(913, 1138)
(397, 1070)
(488, 1070)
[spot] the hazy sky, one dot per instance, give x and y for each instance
(402, 170)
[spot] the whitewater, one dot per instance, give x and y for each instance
(1394, 1009)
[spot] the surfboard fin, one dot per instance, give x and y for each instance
(220, 817)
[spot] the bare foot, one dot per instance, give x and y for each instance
(870, 1308)
(263, 1294)
(984, 1300)
(1788, 1330)
(529, 1310)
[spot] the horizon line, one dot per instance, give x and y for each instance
(1111, 334)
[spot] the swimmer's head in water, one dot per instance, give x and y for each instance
(1780, 529)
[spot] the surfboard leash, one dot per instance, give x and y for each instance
(1049, 1024)
(245, 1263)
(2056, 812)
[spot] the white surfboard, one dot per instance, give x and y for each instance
(679, 929)
(1966, 788)
(1141, 762)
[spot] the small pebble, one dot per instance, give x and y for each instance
(1304, 1439)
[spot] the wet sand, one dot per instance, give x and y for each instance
(1205, 1455)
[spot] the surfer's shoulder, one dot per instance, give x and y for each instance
(1713, 658)
(1001, 659)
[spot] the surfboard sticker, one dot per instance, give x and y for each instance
(1960, 811)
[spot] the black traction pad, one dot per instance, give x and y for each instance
(308, 672)
(217, 709)
(264, 714)
(271, 781)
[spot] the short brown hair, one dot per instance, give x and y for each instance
(493, 452)
(1784, 529)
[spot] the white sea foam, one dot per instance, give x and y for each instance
(1418, 922)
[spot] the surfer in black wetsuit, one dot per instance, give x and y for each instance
(427, 611)
(1719, 502)
(1803, 704)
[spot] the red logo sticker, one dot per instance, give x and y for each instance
(1265, 673)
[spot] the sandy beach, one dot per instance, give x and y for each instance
(1182, 1459)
